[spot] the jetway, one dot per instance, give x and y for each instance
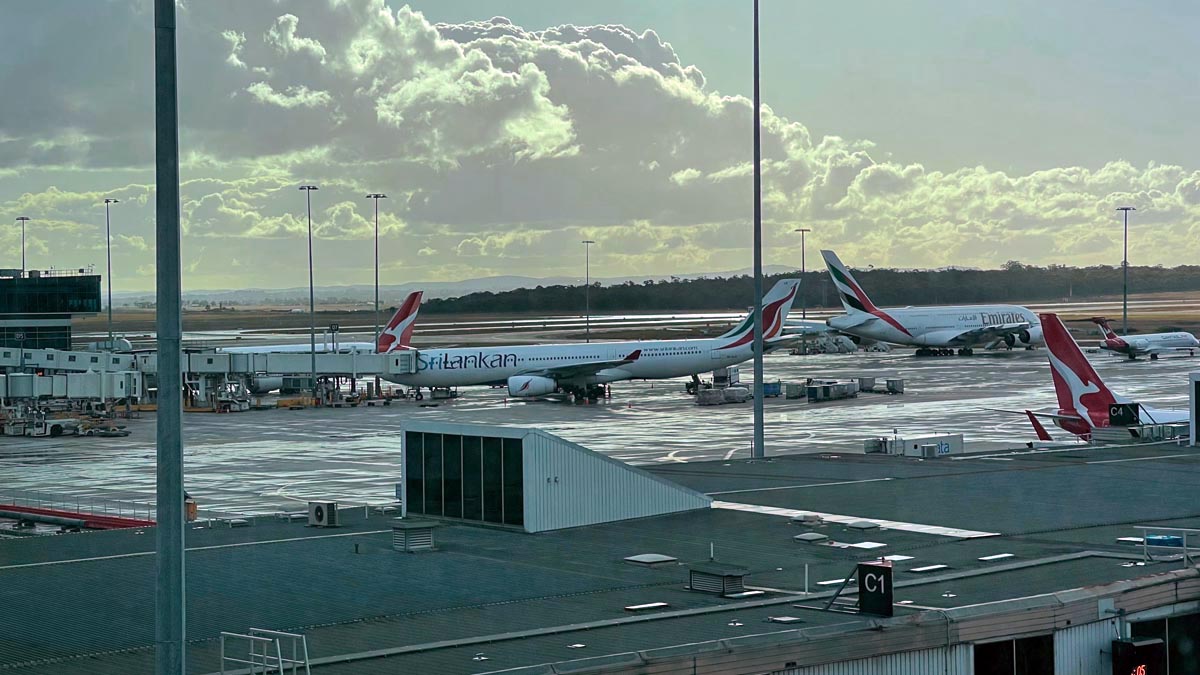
(352, 364)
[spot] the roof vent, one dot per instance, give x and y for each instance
(650, 559)
(809, 519)
(715, 577)
(412, 535)
(810, 538)
(863, 525)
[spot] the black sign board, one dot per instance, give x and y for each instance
(875, 588)
(333, 328)
(1139, 657)
(1124, 414)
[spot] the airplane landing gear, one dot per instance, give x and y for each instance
(966, 351)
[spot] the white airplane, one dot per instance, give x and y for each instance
(583, 369)
(1085, 403)
(1152, 344)
(397, 334)
(934, 330)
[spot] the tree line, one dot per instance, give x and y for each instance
(1014, 282)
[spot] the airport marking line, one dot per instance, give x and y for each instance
(140, 554)
(797, 487)
(1142, 459)
(938, 530)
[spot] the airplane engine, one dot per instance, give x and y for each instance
(1010, 340)
(264, 385)
(1030, 337)
(531, 385)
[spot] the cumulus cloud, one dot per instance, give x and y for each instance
(502, 146)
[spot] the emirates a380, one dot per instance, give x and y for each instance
(936, 329)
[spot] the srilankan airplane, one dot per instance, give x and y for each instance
(934, 330)
(582, 369)
(1085, 403)
(1152, 344)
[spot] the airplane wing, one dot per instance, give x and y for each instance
(986, 333)
(1052, 416)
(572, 370)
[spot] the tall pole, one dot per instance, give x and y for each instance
(587, 288)
(23, 220)
(312, 302)
(1125, 274)
(108, 241)
(759, 450)
(377, 196)
(170, 626)
(803, 269)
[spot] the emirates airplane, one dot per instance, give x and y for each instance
(1150, 344)
(1085, 403)
(582, 369)
(935, 330)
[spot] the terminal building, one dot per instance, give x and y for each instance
(36, 307)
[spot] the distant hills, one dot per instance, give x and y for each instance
(392, 293)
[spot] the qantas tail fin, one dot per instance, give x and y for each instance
(1103, 323)
(1076, 383)
(398, 332)
(775, 307)
(853, 298)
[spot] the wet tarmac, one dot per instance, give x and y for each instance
(266, 461)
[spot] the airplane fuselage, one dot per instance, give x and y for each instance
(1133, 345)
(658, 359)
(936, 326)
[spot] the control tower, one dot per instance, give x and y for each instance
(36, 307)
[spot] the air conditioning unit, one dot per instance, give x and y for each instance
(322, 514)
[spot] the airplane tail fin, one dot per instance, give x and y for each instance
(1104, 328)
(1076, 383)
(775, 307)
(853, 298)
(398, 332)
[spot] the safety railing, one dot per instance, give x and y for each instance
(264, 652)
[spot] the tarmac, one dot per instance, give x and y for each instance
(267, 461)
(493, 599)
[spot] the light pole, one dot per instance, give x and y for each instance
(312, 303)
(23, 220)
(1125, 274)
(108, 241)
(376, 196)
(803, 299)
(759, 449)
(587, 288)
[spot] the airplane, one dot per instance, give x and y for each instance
(1085, 403)
(1152, 344)
(582, 370)
(396, 335)
(934, 330)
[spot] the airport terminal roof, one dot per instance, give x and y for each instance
(962, 532)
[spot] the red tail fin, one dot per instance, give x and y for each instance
(1103, 323)
(398, 332)
(1079, 388)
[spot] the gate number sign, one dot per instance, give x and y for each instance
(875, 588)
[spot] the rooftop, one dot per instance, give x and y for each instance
(960, 532)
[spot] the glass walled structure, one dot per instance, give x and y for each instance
(36, 309)
(477, 478)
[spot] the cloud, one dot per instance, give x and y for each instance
(500, 147)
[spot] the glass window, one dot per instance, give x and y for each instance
(452, 475)
(493, 462)
(1183, 649)
(994, 658)
(414, 472)
(433, 474)
(472, 471)
(514, 480)
(1035, 655)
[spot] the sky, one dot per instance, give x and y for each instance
(917, 134)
